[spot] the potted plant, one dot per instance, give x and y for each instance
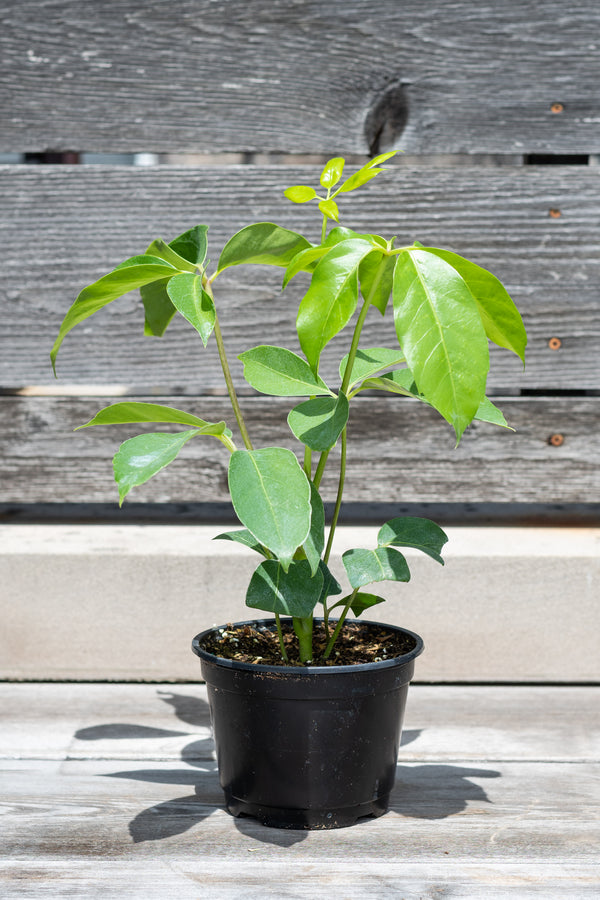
(307, 709)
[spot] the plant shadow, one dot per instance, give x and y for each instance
(427, 791)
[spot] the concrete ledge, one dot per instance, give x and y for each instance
(123, 602)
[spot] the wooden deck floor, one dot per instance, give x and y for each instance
(111, 792)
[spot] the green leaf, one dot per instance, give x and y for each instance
(303, 262)
(383, 564)
(141, 457)
(157, 307)
(287, 592)
(243, 536)
(263, 243)
(501, 318)
(440, 331)
(193, 302)
(370, 361)
(192, 245)
(126, 277)
(360, 602)
(315, 542)
(402, 382)
(332, 172)
(331, 585)
(331, 299)
(164, 251)
(271, 497)
(375, 282)
(487, 412)
(365, 174)
(126, 413)
(330, 209)
(281, 373)
(300, 193)
(412, 531)
(319, 422)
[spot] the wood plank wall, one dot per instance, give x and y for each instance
(496, 109)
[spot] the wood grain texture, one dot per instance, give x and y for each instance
(44, 461)
(492, 822)
(62, 227)
(195, 75)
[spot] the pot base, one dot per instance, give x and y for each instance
(306, 819)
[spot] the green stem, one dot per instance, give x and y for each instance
(304, 629)
(339, 625)
(230, 386)
(320, 468)
(338, 499)
(284, 655)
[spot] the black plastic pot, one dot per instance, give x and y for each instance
(307, 747)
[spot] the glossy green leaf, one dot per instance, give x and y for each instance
(376, 279)
(364, 174)
(331, 299)
(441, 334)
(192, 245)
(330, 209)
(370, 361)
(304, 261)
(271, 497)
(319, 422)
(300, 193)
(501, 318)
(164, 251)
(487, 412)
(129, 275)
(141, 457)
(281, 373)
(263, 243)
(331, 585)
(366, 566)
(402, 382)
(158, 308)
(360, 602)
(243, 536)
(193, 302)
(315, 542)
(332, 172)
(287, 592)
(412, 531)
(127, 413)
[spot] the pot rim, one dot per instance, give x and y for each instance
(304, 671)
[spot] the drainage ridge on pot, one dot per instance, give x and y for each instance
(307, 746)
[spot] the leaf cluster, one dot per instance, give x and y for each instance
(444, 309)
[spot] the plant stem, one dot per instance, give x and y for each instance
(230, 386)
(320, 468)
(338, 499)
(304, 629)
(284, 655)
(339, 625)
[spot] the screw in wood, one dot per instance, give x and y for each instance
(554, 213)
(555, 343)
(556, 440)
(557, 108)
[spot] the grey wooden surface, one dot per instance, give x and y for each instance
(441, 76)
(61, 227)
(45, 460)
(111, 792)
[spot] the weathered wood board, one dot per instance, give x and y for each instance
(84, 220)
(445, 77)
(111, 791)
(44, 460)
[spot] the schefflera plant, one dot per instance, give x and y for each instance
(445, 311)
